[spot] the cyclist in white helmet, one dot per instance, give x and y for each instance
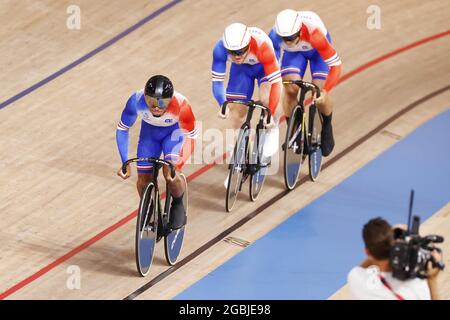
(252, 57)
(303, 37)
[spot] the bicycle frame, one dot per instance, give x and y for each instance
(247, 165)
(294, 136)
(252, 105)
(157, 165)
(301, 136)
(173, 239)
(305, 87)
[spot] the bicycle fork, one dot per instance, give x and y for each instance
(293, 142)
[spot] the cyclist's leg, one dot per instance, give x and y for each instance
(319, 71)
(293, 67)
(264, 94)
(240, 87)
(148, 146)
(172, 146)
(172, 149)
(271, 137)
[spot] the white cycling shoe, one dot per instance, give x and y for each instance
(271, 140)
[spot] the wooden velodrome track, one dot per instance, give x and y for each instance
(61, 203)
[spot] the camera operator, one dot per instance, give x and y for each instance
(373, 279)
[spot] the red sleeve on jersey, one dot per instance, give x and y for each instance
(329, 54)
(187, 123)
(266, 55)
(186, 117)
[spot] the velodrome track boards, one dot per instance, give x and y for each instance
(62, 91)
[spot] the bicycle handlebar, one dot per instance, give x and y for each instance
(250, 104)
(151, 160)
(309, 86)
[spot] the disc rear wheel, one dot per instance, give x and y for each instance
(314, 142)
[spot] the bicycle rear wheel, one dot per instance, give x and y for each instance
(237, 168)
(173, 240)
(293, 148)
(258, 177)
(146, 230)
(314, 142)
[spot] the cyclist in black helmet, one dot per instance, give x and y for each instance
(168, 127)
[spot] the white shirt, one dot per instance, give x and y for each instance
(365, 284)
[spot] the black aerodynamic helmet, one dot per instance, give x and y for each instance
(159, 87)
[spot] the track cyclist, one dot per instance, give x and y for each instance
(303, 37)
(168, 127)
(252, 57)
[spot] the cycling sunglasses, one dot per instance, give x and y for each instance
(291, 38)
(160, 103)
(239, 52)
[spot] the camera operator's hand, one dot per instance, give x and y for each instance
(432, 272)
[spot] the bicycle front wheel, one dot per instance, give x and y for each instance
(146, 230)
(293, 148)
(237, 168)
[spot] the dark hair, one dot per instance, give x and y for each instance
(159, 87)
(378, 238)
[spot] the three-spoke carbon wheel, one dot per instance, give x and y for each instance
(146, 230)
(293, 148)
(258, 163)
(237, 168)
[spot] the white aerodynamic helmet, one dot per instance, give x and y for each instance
(288, 23)
(236, 36)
